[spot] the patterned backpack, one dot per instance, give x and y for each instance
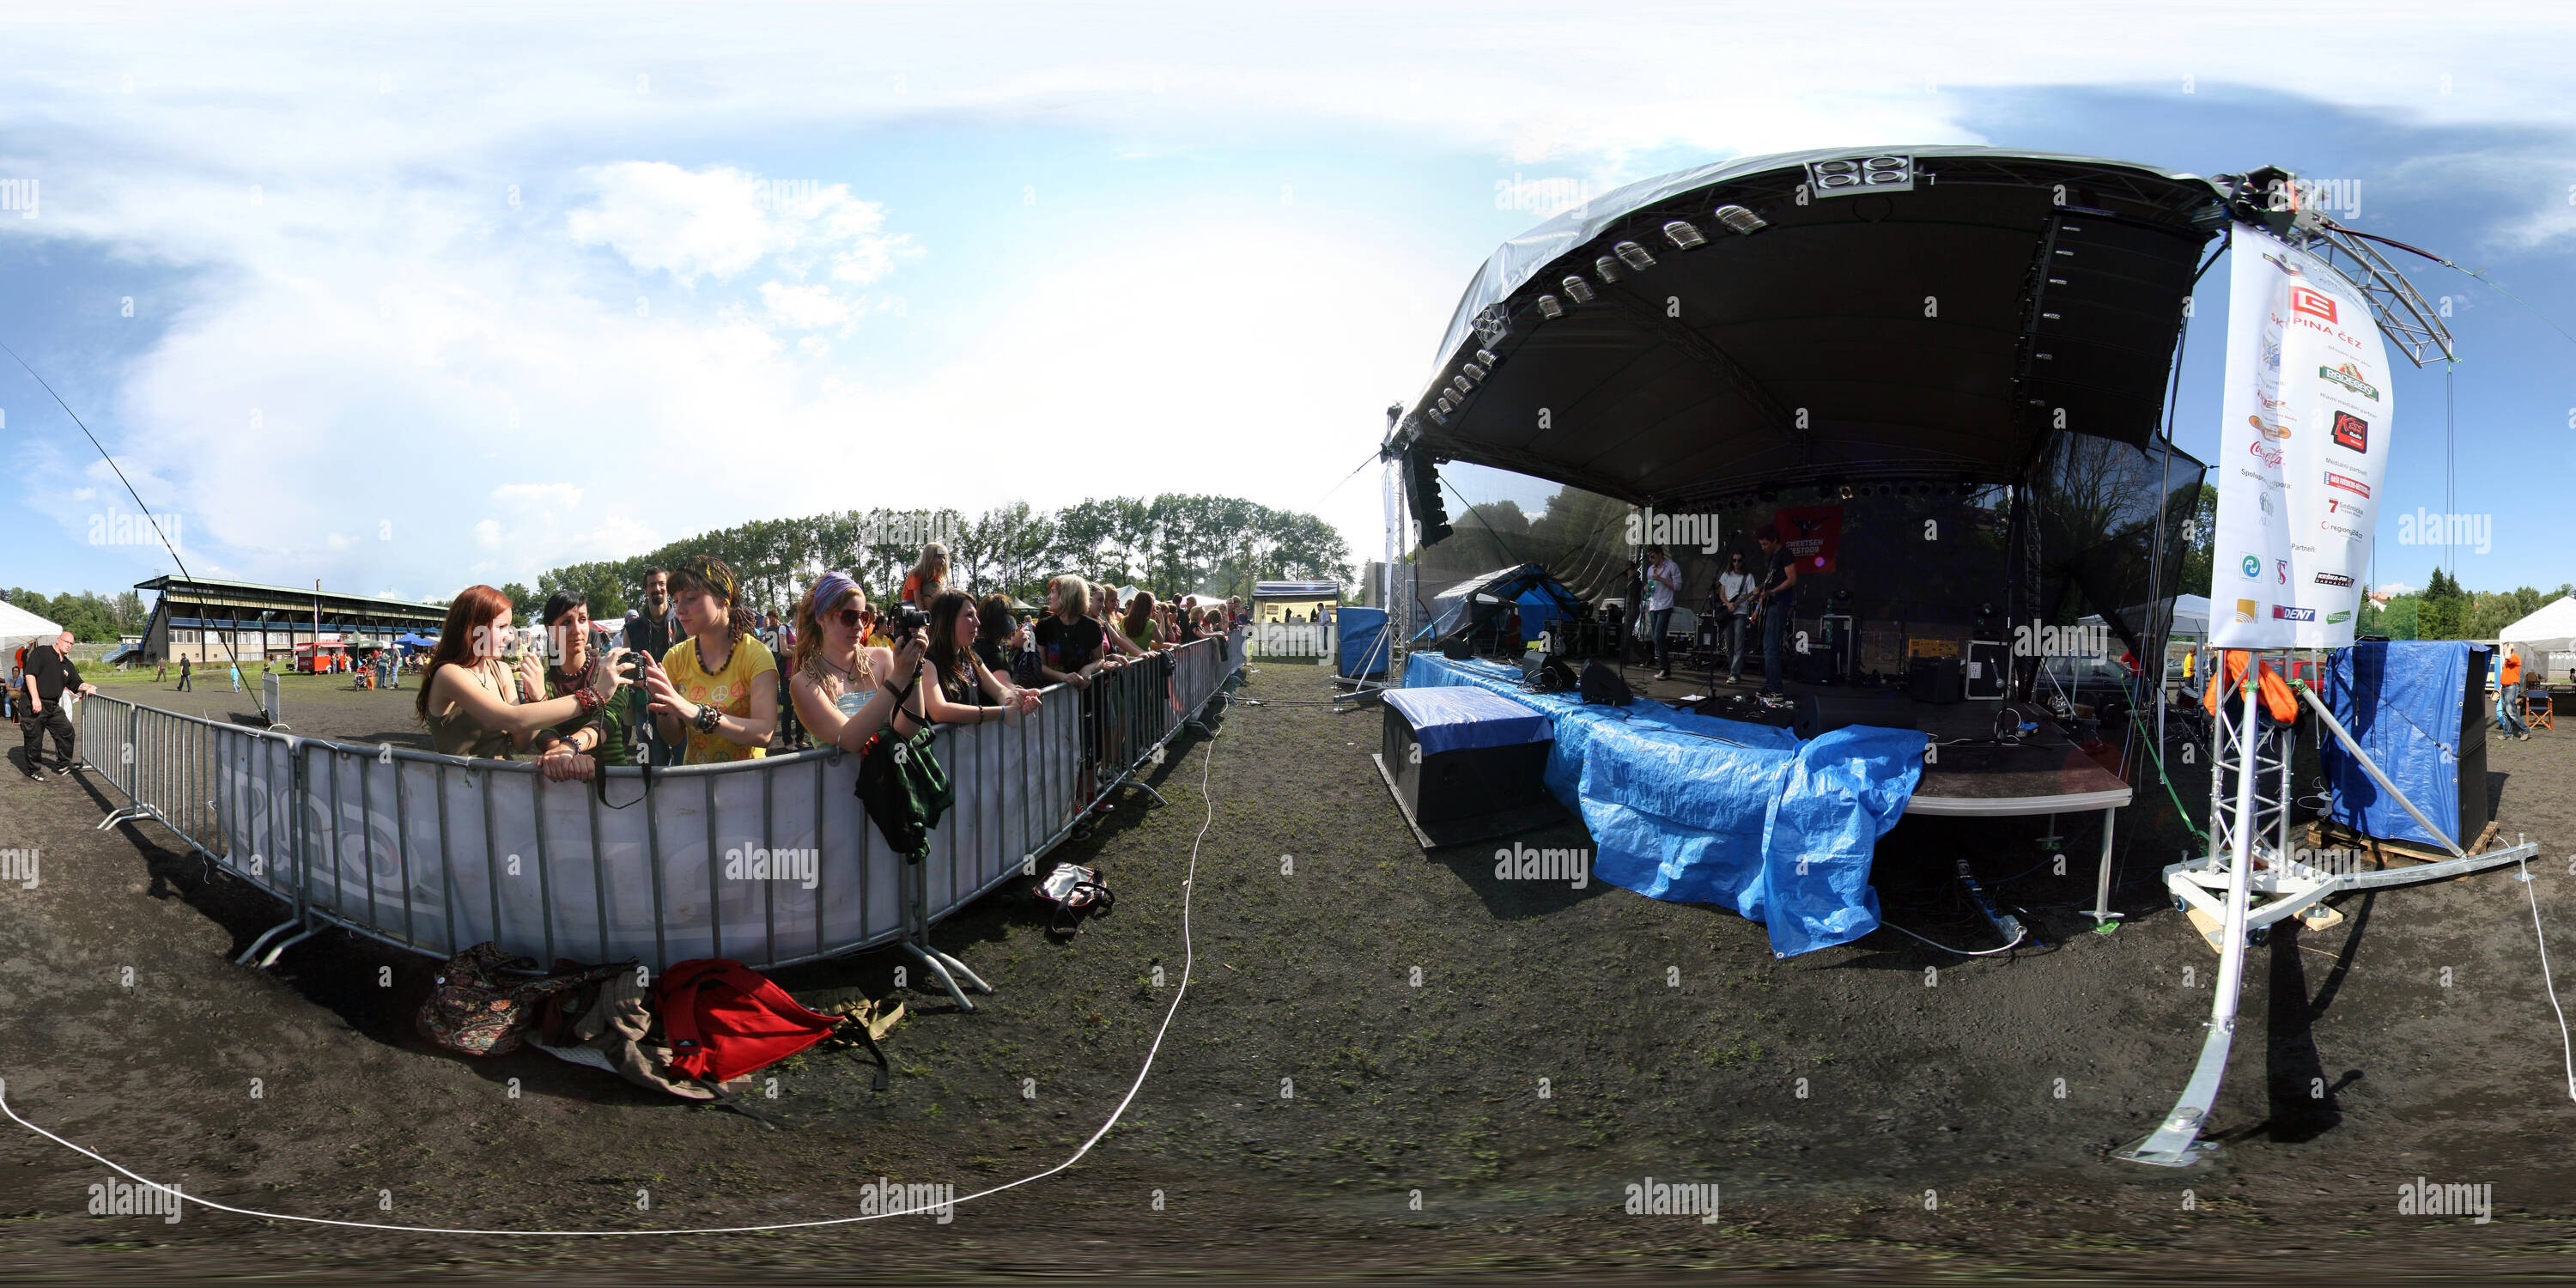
(473, 1010)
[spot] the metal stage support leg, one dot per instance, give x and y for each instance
(939, 972)
(271, 933)
(2102, 915)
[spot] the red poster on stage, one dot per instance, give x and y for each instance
(1811, 533)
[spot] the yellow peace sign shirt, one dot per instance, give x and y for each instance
(728, 690)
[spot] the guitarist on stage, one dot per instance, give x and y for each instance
(1779, 598)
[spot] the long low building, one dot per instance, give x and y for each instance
(209, 619)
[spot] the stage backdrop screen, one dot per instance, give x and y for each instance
(2307, 408)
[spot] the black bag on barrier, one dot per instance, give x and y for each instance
(905, 789)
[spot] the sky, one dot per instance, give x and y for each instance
(404, 298)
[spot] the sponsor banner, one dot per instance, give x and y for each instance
(1811, 533)
(2305, 420)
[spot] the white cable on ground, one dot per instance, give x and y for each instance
(2018, 936)
(1188, 956)
(2565, 1045)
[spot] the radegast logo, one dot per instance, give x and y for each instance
(882, 1197)
(2420, 1197)
(125, 1198)
(2349, 377)
(1651, 527)
(2351, 431)
(1652, 1197)
(1522, 863)
(2285, 613)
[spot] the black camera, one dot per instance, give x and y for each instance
(908, 619)
(632, 667)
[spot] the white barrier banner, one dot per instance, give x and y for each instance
(2307, 408)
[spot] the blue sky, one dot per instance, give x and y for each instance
(769, 262)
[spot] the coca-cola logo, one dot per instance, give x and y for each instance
(2270, 456)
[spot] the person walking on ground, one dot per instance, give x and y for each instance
(48, 676)
(184, 670)
(237, 680)
(2508, 712)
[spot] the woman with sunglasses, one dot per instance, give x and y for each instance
(843, 690)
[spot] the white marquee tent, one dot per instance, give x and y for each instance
(2550, 630)
(20, 627)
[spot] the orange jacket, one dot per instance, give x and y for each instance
(2512, 668)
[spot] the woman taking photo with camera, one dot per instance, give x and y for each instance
(602, 735)
(718, 687)
(840, 686)
(475, 704)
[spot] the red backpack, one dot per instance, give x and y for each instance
(725, 1021)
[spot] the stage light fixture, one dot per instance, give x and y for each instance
(1684, 237)
(1438, 416)
(1741, 221)
(1885, 490)
(1549, 308)
(1577, 289)
(1447, 403)
(1846, 491)
(1474, 372)
(1458, 386)
(1490, 358)
(1634, 255)
(1606, 268)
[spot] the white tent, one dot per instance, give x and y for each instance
(20, 627)
(2551, 629)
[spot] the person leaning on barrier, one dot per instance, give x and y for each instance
(1072, 647)
(46, 676)
(1143, 625)
(1104, 609)
(718, 686)
(841, 689)
(1002, 642)
(963, 681)
(601, 734)
(475, 704)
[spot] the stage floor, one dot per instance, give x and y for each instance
(1974, 778)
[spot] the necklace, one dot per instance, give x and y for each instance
(698, 649)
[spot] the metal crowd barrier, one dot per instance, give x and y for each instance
(770, 861)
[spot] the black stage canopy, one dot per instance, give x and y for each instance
(1919, 315)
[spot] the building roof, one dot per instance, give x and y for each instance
(198, 587)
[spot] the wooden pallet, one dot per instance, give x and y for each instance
(2327, 834)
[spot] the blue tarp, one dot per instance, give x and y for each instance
(1459, 717)
(2402, 702)
(1361, 640)
(1540, 596)
(1702, 810)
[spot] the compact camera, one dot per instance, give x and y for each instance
(908, 619)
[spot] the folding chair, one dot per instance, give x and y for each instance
(2535, 711)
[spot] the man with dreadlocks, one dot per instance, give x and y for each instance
(719, 685)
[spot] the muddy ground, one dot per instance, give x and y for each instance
(1864, 1119)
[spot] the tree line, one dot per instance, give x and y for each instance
(92, 617)
(1171, 544)
(2443, 610)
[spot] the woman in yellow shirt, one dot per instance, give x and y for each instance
(718, 686)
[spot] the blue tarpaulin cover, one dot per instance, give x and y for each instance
(2401, 702)
(1702, 810)
(1361, 640)
(1458, 717)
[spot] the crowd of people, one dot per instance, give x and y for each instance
(693, 675)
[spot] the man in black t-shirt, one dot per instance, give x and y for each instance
(49, 675)
(1779, 599)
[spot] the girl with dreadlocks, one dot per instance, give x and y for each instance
(719, 686)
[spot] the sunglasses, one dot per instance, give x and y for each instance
(851, 616)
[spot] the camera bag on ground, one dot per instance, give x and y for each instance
(1601, 683)
(905, 789)
(1074, 890)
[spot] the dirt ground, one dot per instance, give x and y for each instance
(1314, 1112)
